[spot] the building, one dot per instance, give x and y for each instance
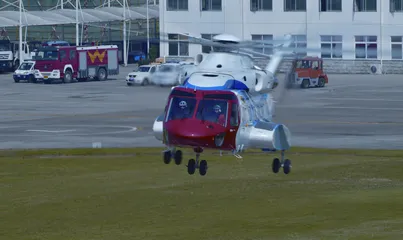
(366, 30)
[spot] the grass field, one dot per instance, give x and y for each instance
(131, 194)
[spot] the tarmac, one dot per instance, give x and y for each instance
(352, 111)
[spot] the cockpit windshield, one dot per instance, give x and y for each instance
(166, 68)
(25, 66)
(143, 69)
(45, 55)
(213, 110)
(181, 108)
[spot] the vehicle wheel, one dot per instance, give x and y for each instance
(17, 64)
(101, 75)
(31, 79)
(128, 84)
(321, 82)
(16, 80)
(191, 166)
(68, 77)
(275, 166)
(145, 82)
(203, 167)
(305, 83)
(178, 157)
(167, 157)
(287, 166)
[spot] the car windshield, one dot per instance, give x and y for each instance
(181, 108)
(45, 55)
(143, 69)
(213, 110)
(166, 68)
(25, 66)
(5, 47)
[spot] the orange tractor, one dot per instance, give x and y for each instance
(307, 72)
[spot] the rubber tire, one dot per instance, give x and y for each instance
(178, 157)
(275, 166)
(191, 166)
(128, 84)
(203, 167)
(321, 82)
(287, 166)
(145, 82)
(16, 80)
(32, 79)
(305, 83)
(70, 77)
(167, 157)
(99, 73)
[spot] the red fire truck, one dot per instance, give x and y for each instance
(67, 63)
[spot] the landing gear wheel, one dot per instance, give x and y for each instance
(276, 165)
(167, 157)
(287, 166)
(191, 166)
(203, 167)
(178, 157)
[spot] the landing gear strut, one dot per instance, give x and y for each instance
(195, 164)
(172, 153)
(284, 163)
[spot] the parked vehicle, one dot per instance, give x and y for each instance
(308, 72)
(67, 63)
(25, 72)
(9, 55)
(141, 76)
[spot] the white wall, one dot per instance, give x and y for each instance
(237, 19)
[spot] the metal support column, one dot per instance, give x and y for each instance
(124, 34)
(148, 33)
(77, 29)
(20, 50)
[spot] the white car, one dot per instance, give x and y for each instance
(186, 71)
(167, 74)
(25, 72)
(142, 76)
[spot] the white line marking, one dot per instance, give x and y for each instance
(50, 131)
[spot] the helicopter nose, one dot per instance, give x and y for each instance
(194, 133)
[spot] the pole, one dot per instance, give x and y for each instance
(124, 34)
(77, 29)
(61, 4)
(148, 34)
(155, 2)
(20, 57)
(109, 3)
(381, 34)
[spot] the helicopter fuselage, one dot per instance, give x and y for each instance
(191, 120)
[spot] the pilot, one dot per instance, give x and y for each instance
(220, 117)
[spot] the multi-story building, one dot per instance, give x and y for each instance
(360, 32)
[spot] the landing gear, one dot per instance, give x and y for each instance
(195, 164)
(284, 163)
(175, 154)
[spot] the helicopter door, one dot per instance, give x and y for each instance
(234, 124)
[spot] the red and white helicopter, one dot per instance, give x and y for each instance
(225, 104)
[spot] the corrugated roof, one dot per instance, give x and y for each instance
(68, 16)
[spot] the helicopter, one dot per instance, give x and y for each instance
(224, 104)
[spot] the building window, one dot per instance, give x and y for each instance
(294, 5)
(180, 46)
(211, 5)
(265, 37)
(397, 43)
(364, 5)
(177, 5)
(299, 41)
(208, 36)
(330, 5)
(396, 5)
(331, 46)
(366, 47)
(261, 5)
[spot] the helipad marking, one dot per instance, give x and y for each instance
(51, 131)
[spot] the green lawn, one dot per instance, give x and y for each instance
(130, 194)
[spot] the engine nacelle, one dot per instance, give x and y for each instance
(265, 135)
(265, 83)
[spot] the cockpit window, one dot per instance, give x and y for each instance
(181, 108)
(213, 111)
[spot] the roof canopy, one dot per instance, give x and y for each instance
(68, 16)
